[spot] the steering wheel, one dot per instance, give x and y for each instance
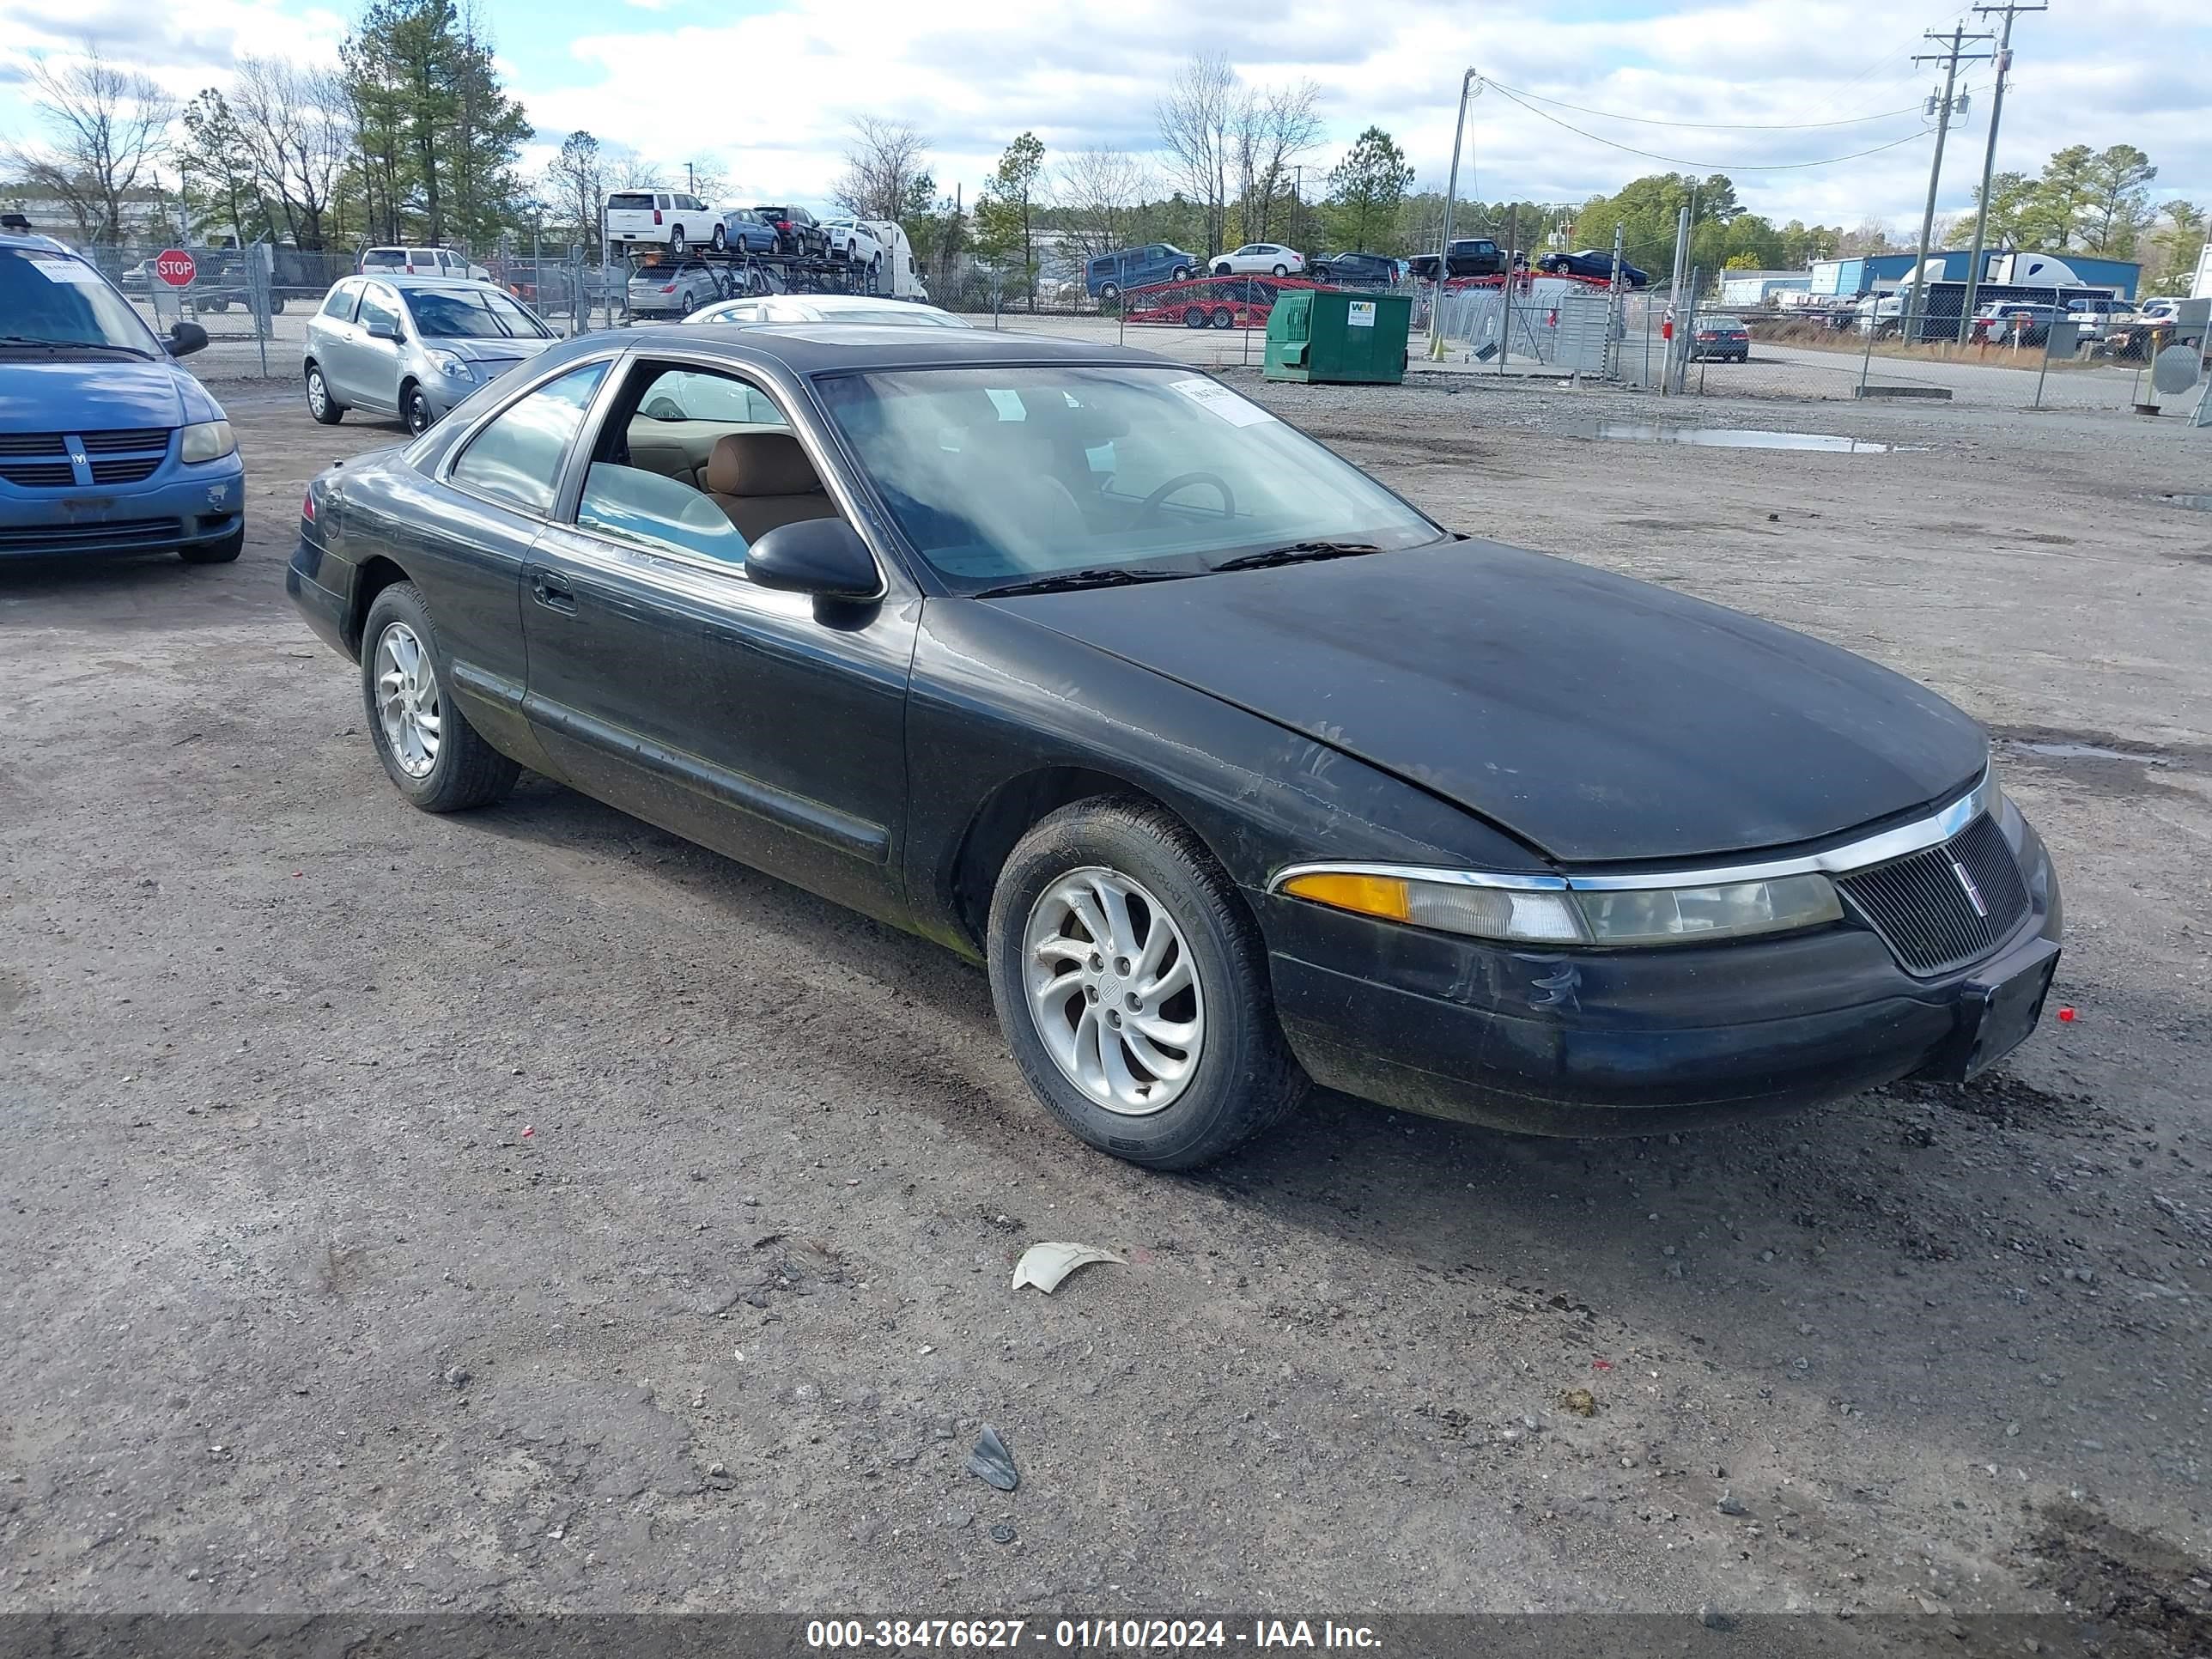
(1183, 481)
(663, 408)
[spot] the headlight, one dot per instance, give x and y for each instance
(1550, 910)
(460, 368)
(207, 441)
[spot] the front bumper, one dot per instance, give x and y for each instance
(178, 507)
(1597, 1042)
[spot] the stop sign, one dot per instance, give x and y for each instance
(175, 267)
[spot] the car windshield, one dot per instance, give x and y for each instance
(52, 298)
(478, 313)
(1004, 475)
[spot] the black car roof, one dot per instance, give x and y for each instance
(815, 348)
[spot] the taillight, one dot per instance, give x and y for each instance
(656, 216)
(307, 506)
(783, 224)
(670, 289)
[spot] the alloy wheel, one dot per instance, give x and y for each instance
(407, 701)
(1112, 990)
(318, 395)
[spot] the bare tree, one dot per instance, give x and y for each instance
(886, 171)
(296, 128)
(1205, 108)
(1273, 129)
(634, 172)
(108, 127)
(1102, 191)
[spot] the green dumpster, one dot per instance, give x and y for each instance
(1327, 334)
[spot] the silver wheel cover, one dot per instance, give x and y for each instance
(407, 703)
(1113, 991)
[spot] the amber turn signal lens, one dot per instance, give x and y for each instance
(1370, 895)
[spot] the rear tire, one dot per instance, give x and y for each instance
(1223, 316)
(677, 244)
(1241, 1077)
(224, 551)
(1193, 316)
(465, 770)
(326, 410)
(1282, 270)
(1108, 293)
(721, 239)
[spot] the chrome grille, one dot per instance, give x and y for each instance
(128, 469)
(126, 442)
(1928, 914)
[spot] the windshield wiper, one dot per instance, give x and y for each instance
(68, 345)
(1106, 576)
(1298, 553)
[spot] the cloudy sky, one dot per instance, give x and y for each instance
(763, 89)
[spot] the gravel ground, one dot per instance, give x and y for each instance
(526, 1210)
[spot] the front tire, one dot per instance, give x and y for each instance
(326, 410)
(431, 753)
(1131, 985)
(415, 409)
(1180, 274)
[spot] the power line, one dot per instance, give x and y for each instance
(1717, 167)
(1708, 126)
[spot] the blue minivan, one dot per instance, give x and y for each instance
(106, 445)
(1106, 275)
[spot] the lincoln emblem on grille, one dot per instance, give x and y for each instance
(1974, 893)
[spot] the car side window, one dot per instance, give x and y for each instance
(517, 457)
(343, 298)
(380, 309)
(704, 463)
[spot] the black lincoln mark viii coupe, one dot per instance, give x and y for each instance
(1236, 770)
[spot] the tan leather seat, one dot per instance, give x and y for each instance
(762, 480)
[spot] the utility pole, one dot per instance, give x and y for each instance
(2011, 8)
(1674, 299)
(1916, 303)
(1469, 84)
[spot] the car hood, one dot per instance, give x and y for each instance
(97, 392)
(1598, 718)
(492, 354)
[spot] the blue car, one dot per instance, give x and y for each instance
(1105, 277)
(745, 230)
(106, 445)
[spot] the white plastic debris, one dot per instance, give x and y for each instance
(1045, 1265)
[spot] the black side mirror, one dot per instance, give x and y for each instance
(186, 338)
(824, 557)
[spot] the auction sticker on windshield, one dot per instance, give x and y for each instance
(55, 269)
(1218, 400)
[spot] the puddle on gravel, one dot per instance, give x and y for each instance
(2194, 503)
(1731, 437)
(2081, 752)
